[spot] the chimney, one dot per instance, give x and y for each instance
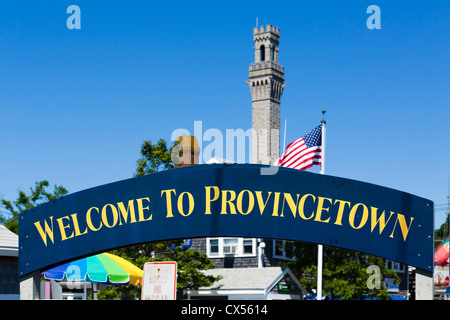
(190, 151)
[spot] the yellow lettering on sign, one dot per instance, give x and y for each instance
(320, 208)
(403, 227)
(180, 204)
(209, 199)
(301, 206)
(381, 221)
(115, 215)
(292, 205)
(169, 201)
(342, 205)
(48, 230)
(62, 228)
(76, 226)
(141, 209)
(89, 219)
(226, 201)
(365, 216)
(124, 212)
(251, 202)
(275, 204)
(261, 203)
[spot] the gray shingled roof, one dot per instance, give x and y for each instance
(9, 242)
(245, 278)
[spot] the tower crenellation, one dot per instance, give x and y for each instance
(267, 28)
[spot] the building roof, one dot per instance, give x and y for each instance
(9, 242)
(248, 278)
(218, 160)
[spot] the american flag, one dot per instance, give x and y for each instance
(303, 153)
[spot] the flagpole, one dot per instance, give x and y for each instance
(320, 247)
(322, 169)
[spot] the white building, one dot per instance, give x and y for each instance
(9, 262)
(272, 283)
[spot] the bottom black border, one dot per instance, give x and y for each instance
(229, 309)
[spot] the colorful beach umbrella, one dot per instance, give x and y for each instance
(441, 254)
(102, 268)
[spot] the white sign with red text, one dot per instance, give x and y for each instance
(159, 281)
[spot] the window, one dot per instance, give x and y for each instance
(221, 247)
(396, 266)
(214, 247)
(283, 249)
(230, 245)
(262, 50)
(9, 279)
(248, 246)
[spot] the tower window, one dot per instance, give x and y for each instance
(262, 50)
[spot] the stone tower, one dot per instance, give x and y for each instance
(266, 82)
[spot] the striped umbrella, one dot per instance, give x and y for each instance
(441, 255)
(102, 268)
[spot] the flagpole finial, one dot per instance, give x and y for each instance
(323, 116)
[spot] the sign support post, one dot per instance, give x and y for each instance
(425, 278)
(424, 285)
(30, 286)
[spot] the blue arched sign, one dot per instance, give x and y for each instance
(229, 200)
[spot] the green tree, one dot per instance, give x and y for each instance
(344, 274)
(37, 196)
(441, 234)
(154, 158)
(190, 263)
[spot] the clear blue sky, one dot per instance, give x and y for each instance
(77, 104)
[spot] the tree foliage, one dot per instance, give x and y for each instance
(344, 274)
(37, 196)
(442, 233)
(154, 157)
